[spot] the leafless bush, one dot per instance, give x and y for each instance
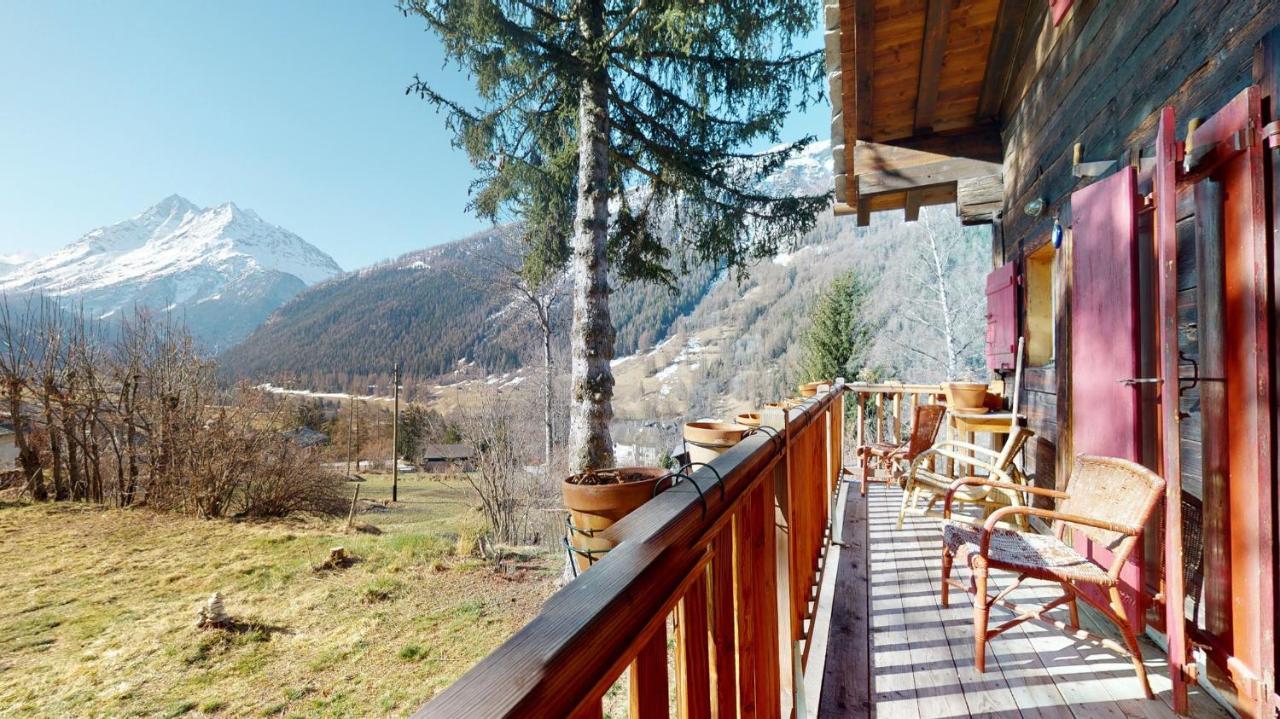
(131, 413)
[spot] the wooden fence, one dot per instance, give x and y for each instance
(883, 411)
(730, 558)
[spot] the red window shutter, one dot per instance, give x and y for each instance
(1059, 9)
(1002, 317)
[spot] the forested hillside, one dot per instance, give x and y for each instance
(440, 312)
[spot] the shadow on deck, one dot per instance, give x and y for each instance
(893, 651)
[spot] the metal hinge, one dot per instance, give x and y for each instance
(1139, 380)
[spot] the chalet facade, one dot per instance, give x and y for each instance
(1126, 157)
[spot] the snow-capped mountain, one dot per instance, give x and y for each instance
(220, 269)
(11, 262)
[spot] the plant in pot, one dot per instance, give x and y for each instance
(597, 499)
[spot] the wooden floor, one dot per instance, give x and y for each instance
(885, 607)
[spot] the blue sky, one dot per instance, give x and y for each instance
(294, 109)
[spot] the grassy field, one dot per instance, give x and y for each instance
(98, 609)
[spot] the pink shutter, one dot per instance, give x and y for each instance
(1002, 317)
(1104, 343)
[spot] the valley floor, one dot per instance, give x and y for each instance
(98, 609)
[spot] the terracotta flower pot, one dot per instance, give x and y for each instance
(964, 395)
(597, 500)
(708, 440)
(748, 419)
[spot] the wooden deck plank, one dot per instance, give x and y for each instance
(846, 681)
(940, 689)
(893, 688)
(986, 694)
(918, 649)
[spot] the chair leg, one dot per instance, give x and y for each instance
(946, 576)
(1130, 640)
(1073, 620)
(908, 495)
(981, 610)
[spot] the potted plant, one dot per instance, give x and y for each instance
(708, 440)
(597, 499)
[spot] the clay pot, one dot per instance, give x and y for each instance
(748, 419)
(597, 500)
(810, 389)
(964, 395)
(708, 440)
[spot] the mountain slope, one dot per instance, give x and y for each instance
(439, 311)
(417, 310)
(11, 262)
(222, 270)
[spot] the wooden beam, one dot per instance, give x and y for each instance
(978, 199)
(937, 20)
(907, 177)
(864, 60)
(1010, 24)
(864, 214)
(911, 212)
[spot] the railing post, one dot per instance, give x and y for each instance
(724, 662)
(649, 678)
(693, 678)
(879, 417)
(897, 417)
(862, 417)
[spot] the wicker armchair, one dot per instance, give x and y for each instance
(1109, 502)
(997, 465)
(925, 424)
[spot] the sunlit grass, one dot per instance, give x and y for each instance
(98, 610)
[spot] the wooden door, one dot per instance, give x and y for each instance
(1105, 398)
(1230, 160)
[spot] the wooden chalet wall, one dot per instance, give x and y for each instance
(1100, 79)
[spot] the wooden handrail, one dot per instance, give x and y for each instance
(562, 662)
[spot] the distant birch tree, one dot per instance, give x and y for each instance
(602, 122)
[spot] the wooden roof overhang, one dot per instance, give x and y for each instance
(916, 87)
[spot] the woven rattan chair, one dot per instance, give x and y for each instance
(1109, 501)
(975, 461)
(925, 424)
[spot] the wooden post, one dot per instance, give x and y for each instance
(897, 418)
(724, 663)
(1165, 191)
(649, 678)
(693, 678)
(351, 515)
(862, 416)
(395, 437)
(879, 417)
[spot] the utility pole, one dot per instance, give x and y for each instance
(395, 437)
(351, 424)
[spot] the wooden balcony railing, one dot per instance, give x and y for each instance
(883, 411)
(731, 558)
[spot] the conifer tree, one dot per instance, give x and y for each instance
(603, 124)
(837, 341)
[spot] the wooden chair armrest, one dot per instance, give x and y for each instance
(960, 458)
(1049, 514)
(969, 446)
(970, 481)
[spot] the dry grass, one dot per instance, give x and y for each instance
(98, 610)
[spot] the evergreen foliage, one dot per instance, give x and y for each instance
(836, 343)
(687, 85)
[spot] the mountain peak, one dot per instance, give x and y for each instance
(173, 204)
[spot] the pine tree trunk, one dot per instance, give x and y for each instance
(548, 392)
(591, 340)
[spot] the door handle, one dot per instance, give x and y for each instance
(1139, 380)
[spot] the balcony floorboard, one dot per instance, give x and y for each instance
(885, 608)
